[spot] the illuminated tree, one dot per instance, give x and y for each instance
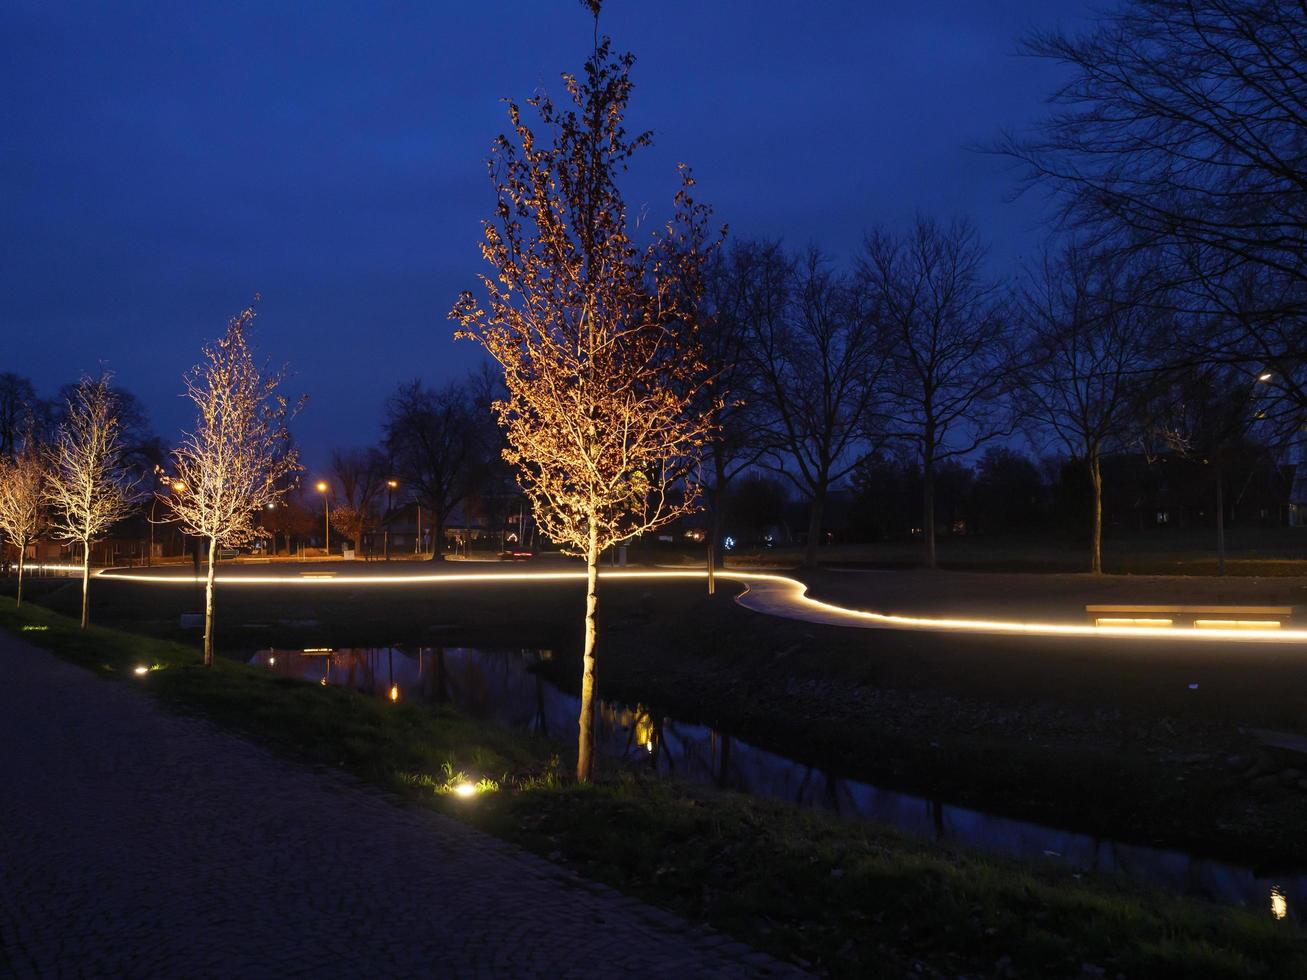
(22, 502)
(237, 460)
(595, 334)
(88, 489)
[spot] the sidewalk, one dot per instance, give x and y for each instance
(135, 842)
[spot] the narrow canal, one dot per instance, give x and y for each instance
(505, 688)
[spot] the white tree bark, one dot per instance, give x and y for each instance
(585, 747)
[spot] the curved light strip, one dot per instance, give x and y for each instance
(794, 601)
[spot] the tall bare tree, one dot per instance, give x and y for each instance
(22, 502)
(820, 367)
(18, 405)
(947, 338)
(1209, 414)
(236, 460)
(595, 333)
(88, 489)
(434, 437)
(1090, 331)
(360, 476)
(1180, 130)
(740, 285)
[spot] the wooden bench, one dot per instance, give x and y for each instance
(1198, 617)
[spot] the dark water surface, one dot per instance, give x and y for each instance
(502, 686)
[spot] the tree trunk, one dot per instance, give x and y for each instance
(22, 555)
(717, 518)
(928, 507)
(1096, 535)
(1220, 521)
(438, 538)
(585, 744)
(208, 603)
(815, 509)
(86, 583)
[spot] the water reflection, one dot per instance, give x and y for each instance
(503, 687)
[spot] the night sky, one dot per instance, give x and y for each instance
(161, 164)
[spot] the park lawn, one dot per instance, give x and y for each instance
(850, 899)
(1250, 551)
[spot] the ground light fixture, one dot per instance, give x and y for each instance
(1279, 904)
(141, 670)
(465, 790)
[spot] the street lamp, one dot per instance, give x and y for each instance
(326, 516)
(390, 508)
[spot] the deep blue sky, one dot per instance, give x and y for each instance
(161, 163)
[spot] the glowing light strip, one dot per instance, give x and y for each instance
(796, 600)
(1235, 624)
(1137, 621)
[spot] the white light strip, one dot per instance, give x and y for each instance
(796, 600)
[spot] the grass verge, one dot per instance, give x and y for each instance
(848, 899)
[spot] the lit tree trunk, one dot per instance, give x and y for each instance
(86, 583)
(1220, 520)
(815, 510)
(208, 603)
(22, 555)
(585, 746)
(1096, 535)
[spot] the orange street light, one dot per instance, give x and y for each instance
(391, 484)
(326, 516)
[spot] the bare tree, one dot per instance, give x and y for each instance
(1207, 413)
(22, 502)
(360, 475)
(433, 437)
(88, 488)
(18, 405)
(1180, 131)
(819, 367)
(1090, 332)
(740, 285)
(948, 345)
(595, 334)
(236, 461)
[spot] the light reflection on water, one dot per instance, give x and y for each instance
(501, 687)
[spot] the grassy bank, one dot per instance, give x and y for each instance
(1106, 739)
(1250, 551)
(845, 898)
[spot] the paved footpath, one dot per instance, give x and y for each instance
(138, 843)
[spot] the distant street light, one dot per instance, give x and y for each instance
(1264, 376)
(326, 516)
(390, 507)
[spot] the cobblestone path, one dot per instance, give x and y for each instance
(137, 843)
